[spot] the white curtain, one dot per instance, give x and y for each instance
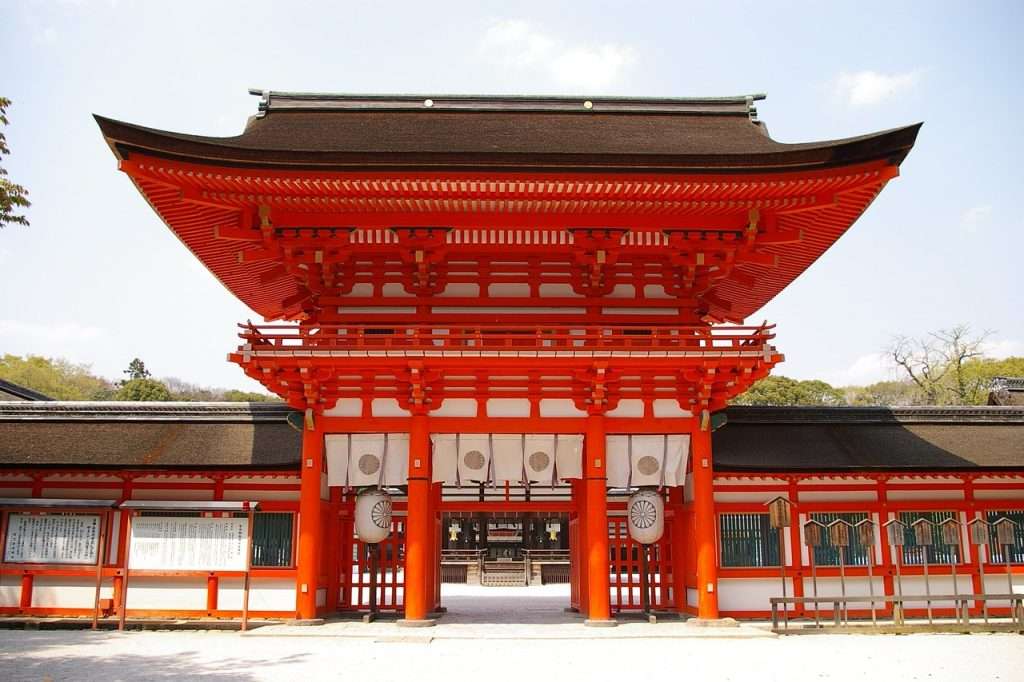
(507, 456)
(396, 460)
(647, 460)
(474, 458)
(676, 456)
(539, 458)
(366, 459)
(617, 454)
(569, 456)
(336, 451)
(445, 458)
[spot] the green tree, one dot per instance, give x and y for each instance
(236, 396)
(780, 390)
(143, 389)
(55, 377)
(885, 393)
(137, 370)
(937, 363)
(12, 196)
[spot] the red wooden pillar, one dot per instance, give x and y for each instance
(333, 549)
(704, 522)
(212, 592)
(678, 552)
(595, 545)
(419, 528)
(311, 532)
(25, 602)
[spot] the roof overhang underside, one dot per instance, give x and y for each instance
(654, 186)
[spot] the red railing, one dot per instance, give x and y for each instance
(342, 337)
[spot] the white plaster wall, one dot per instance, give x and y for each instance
(68, 593)
(249, 495)
(895, 495)
(10, 591)
(271, 594)
(750, 594)
(837, 496)
(561, 407)
(83, 493)
(1008, 494)
(456, 407)
(156, 494)
(167, 593)
(508, 407)
(628, 407)
(15, 492)
(939, 584)
(691, 596)
(664, 407)
(388, 407)
(346, 407)
(996, 584)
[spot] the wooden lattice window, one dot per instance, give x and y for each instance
(748, 540)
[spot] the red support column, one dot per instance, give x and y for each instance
(678, 540)
(704, 522)
(311, 533)
(595, 554)
(25, 601)
(333, 549)
(419, 528)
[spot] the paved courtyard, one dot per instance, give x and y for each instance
(504, 634)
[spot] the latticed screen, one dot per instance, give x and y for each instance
(1017, 549)
(272, 539)
(748, 540)
(937, 552)
(826, 554)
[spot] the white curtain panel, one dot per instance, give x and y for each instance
(396, 460)
(445, 458)
(539, 458)
(366, 459)
(617, 454)
(569, 456)
(336, 451)
(647, 460)
(474, 458)
(507, 455)
(676, 456)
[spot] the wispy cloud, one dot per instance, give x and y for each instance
(1003, 348)
(976, 217)
(867, 88)
(864, 370)
(58, 332)
(517, 44)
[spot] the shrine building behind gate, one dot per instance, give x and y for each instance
(542, 299)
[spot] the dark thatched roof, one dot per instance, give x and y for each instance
(193, 435)
(839, 439)
(762, 439)
(487, 132)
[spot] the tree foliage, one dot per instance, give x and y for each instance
(946, 365)
(55, 378)
(780, 390)
(12, 196)
(64, 380)
(143, 389)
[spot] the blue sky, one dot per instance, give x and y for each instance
(99, 280)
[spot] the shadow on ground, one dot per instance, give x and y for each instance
(81, 656)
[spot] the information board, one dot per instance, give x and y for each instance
(52, 538)
(164, 543)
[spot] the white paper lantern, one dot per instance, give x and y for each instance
(373, 516)
(646, 514)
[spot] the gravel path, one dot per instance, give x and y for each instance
(391, 653)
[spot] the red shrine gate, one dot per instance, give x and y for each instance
(506, 266)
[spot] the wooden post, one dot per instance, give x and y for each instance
(25, 600)
(419, 527)
(704, 522)
(678, 540)
(310, 523)
(595, 554)
(248, 572)
(123, 610)
(212, 593)
(101, 552)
